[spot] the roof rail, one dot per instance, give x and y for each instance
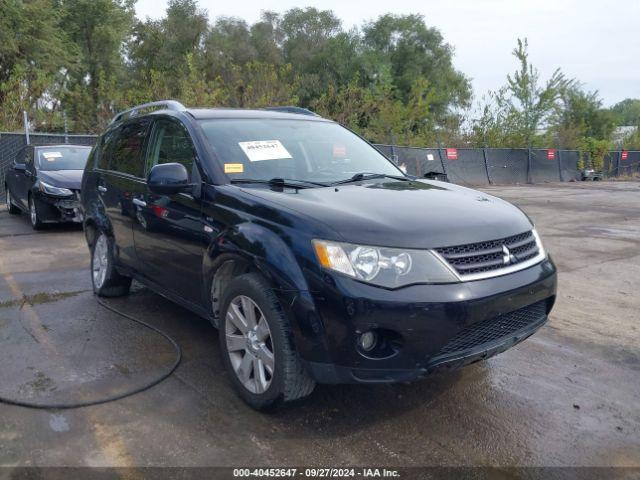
(168, 104)
(292, 109)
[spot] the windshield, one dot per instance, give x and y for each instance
(63, 158)
(263, 149)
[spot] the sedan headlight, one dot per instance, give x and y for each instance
(386, 267)
(51, 190)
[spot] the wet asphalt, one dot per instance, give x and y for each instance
(569, 395)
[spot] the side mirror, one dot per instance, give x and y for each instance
(19, 167)
(168, 178)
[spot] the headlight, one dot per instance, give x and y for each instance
(51, 190)
(386, 267)
(541, 249)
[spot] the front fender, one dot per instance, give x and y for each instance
(265, 250)
(268, 252)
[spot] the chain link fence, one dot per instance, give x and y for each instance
(464, 166)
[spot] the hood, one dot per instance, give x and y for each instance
(416, 214)
(62, 178)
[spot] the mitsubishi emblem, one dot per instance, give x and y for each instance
(507, 256)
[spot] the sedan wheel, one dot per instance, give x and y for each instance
(33, 215)
(100, 262)
(249, 344)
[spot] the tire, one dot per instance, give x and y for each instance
(261, 389)
(11, 208)
(106, 280)
(34, 216)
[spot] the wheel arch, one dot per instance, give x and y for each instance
(251, 248)
(95, 220)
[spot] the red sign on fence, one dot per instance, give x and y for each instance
(452, 154)
(624, 155)
(551, 154)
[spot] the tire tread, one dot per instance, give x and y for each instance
(297, 382)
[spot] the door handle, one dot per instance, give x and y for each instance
(140, 203)
(102, 189)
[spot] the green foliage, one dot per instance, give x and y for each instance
(632, 141)
(97, 29)
(33, 53)
(594, 151)
(513, 115)
(627, 112)
(392, 81)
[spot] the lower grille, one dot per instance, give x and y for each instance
(492, 255)
(492, 329)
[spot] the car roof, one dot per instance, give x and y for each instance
(242, 113)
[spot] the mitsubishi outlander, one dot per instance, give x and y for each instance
(314, 255)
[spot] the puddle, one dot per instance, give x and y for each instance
(58, 423)
(39, 298)
(41, 383)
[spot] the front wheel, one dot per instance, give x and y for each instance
(107, 282)
(255, 340)
(11, 208)
(34, 216)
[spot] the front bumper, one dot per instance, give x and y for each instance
(422, 322)
(53, 209)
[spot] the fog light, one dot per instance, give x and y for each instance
(368, 340)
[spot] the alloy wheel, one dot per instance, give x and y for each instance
(100, 261)
(33, 213)
(249, 344)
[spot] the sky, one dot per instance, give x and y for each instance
(595, 41)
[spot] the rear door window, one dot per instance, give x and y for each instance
(127, 150)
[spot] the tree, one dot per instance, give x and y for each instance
(627, 112)
(533, 102)
(165, 47)
(266, 38)
(581, 116)
(227, 46)
(34, 54)
(514, 115)
(408, 49)
(99, 29)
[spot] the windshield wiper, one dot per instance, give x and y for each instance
(281, 182)
(367, 176)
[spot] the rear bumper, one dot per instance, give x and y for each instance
(425, 323)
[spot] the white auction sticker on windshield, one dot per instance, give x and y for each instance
(51, 156)
(264, 150)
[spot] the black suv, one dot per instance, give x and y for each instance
(314, 255)
(44, 180)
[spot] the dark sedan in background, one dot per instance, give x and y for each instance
(45, 182)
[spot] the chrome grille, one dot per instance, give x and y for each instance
(490, 256)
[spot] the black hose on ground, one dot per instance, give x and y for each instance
(112, 398)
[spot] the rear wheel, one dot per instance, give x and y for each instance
(11, 208)
(34, 217)
(255, 340)
(107, 282)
